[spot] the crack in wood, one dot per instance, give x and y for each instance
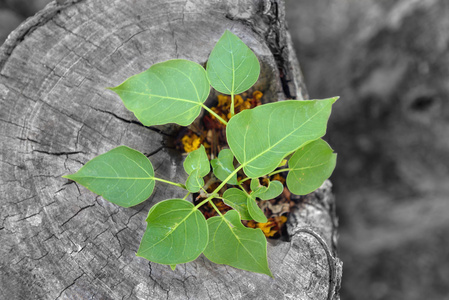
(131, 121)
(58, 153)
(156, 282)
(134, 214)
(74, 281)
(154, 152)
(30, 216)
(127, 40)
(122, 248)
(80, 210)
(95, 237)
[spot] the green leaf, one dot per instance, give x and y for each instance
(194, 182)
(232, 67)
(274, 189)
(310, 166)
(254, 210)
(173, 267)
(223, 166)
(255, 184)
(233, 244)
(123, 176)
(176, 233)
(237, 199)
(261, 137)
(197, 160)
(197, 166)
(168, 92)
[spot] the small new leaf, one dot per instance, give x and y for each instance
(197, 160)
(254, 210)
(168, 92)
(255, 184)
(273, 190)
(123, 176)
(235, 245)
(197, 166)
(194, 182)
(310, 166)
(238, 200)
(223, 166)
(232, 67)
(176, 233)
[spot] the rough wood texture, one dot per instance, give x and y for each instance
(60, 241)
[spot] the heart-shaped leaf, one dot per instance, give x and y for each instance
(194, 182)
(223, 166)
(273, 190)
(176, 233)
(123, 176)
(261, 137)
(168, 92)
(238, 200)
(232, 67)
(197, 166)
(310, 166)
(197, 160)
(235, 245)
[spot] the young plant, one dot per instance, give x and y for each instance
(259, 140)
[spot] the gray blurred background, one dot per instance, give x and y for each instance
(389, 62)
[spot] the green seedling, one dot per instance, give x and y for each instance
(259, 140)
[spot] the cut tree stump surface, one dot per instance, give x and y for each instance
(60, 241)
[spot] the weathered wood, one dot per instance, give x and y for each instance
(59, 240)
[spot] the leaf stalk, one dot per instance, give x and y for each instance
(215, 192)
(269, 174)
(232, 105)
(215, 207)
(170, 182)
(279, 171)
(214, 114)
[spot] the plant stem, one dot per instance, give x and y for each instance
(204, 201)
(215, 207)
(243, 189)
(232, 105)
(243, 180)
(170, 182)
(185, 197)
(215, 192)
(279, 171)
(214, 114)
(205, 194)
(212, 202)
(270, 174)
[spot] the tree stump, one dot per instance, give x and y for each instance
(60, 241)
